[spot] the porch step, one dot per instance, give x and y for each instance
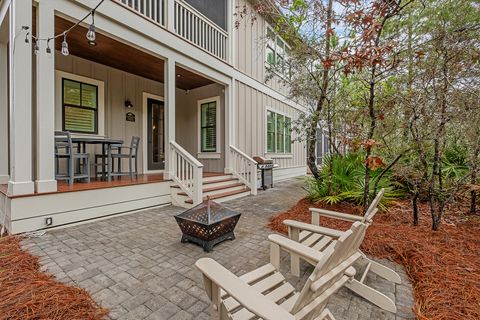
(225, 196)
(208, 190)
(216, 181)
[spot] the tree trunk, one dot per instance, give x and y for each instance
(371, 132)
(312, 157)
(473, 193)
(312, 130)
(415, 208)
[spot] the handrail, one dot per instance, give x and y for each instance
(196, 28)
(186, 154)
(244, 155)
(186, 171)
(244, 168)
(202, 16)
(186, 21)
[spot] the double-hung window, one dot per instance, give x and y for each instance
(279, 133)
(209, 126)
(79, 107)
(277, 53)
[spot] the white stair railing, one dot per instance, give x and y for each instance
(187, 172)
(244, 168)
(198, 29)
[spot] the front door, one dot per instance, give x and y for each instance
(155, 134)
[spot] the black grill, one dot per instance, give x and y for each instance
(266, 171)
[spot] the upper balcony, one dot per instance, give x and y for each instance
(203, 26)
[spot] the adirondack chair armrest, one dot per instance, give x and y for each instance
(335, 215)
(291, 246)
(241, 291)
(313, 228)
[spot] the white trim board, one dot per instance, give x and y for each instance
(145, 97)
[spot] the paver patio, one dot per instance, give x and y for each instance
(135, 264)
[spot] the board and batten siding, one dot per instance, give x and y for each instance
(250, 43)
(187, 129)
(119, 86)
(250, 129)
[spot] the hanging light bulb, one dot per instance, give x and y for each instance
(48, 46)
(65, 45)
(36, 48)
(91, 36)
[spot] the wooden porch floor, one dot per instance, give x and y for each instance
(63, 186)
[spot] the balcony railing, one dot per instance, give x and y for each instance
(153, 10)
(188, 23)
(195, 27)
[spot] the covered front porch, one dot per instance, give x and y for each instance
(110, 89)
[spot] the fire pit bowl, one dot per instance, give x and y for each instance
(207, 224)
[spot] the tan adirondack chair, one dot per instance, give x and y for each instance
(319, 238)
(265, 294)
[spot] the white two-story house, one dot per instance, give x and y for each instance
(178, 74)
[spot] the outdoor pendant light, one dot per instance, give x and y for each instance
(65, 45)
(36, 48)
(48, 46)
(91, 36)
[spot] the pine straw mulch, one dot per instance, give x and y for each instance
(444, 266)
(27, 293)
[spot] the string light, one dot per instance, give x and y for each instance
(91, 36)
(65, 45)
(48, 46)
(36, 48)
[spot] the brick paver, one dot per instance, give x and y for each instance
(135, 264)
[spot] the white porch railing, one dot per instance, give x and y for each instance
(151, 9)
(186, 171)
(195, 27)
(244, 168)
(188, 22)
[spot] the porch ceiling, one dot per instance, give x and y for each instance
(121, 56)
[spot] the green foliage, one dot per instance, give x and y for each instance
(455, 163)
(345, 181)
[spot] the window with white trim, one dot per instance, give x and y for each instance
(279, 133)
(277, 53)
(79, 106)
(209, 127)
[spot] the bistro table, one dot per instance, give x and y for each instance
(107, 144)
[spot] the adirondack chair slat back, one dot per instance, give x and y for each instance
(328, 273)
(371, 209)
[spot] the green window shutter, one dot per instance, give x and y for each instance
(80, 107)
(209, 127)
(270, 131)
(280, 133)
(288, 135)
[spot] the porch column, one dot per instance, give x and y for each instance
(229, 126)
(20, 79)
(169, 87)
(45, 115)
(3, 114)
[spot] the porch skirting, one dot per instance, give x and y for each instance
(34, 212)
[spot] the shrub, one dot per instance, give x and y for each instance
(345, 181)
